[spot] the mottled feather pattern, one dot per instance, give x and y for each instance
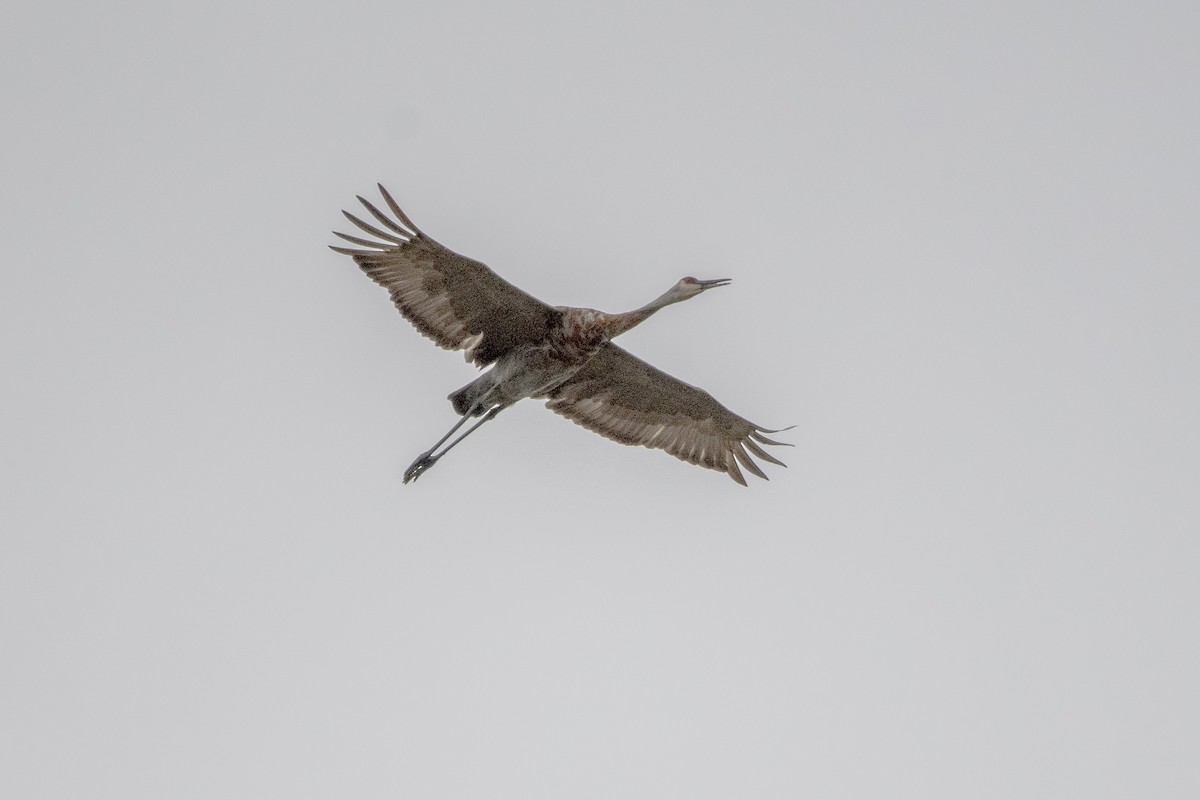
(625, 399)
(457, 302)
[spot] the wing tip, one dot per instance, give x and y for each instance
(395, 207)
(757, 435)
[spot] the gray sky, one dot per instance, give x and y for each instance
(963, 244)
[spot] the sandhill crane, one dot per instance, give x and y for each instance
(560, 354)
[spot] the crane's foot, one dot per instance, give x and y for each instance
(423, 462)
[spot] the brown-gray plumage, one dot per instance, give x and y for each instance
(622, 397)
(561, 354)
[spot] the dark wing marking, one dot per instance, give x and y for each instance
(457, 302)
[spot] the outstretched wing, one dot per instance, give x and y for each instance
(457, 302)
(619, 396)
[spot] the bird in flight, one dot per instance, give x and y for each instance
(559, 354)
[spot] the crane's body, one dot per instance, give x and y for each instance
(561, 354)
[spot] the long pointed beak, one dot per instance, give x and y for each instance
(715, 283)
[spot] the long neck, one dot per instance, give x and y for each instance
(620, 323)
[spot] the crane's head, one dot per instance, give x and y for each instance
(686, 289)
(689, 287)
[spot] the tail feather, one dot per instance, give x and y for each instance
(467, 398)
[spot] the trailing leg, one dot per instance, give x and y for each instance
(428, 458)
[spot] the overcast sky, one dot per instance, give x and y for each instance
(963, 244)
